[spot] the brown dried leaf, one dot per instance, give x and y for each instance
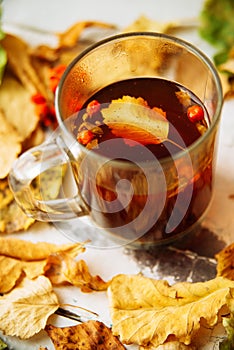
(225, 262)
(131, 118)
(64, 270)
(146, 311)
(20, 258)
(6, 196)
(86, 336)
(19, 60)
(69, 43)
(10, 145)
(13, 219)
(70, 37)
(25, 310)
(18, 111)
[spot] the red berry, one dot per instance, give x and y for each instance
(38, 99)
(93, 107)
(85, 136)
(53, 83)
(195, 113)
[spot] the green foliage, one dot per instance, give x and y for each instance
(217, 26)
(2, 345)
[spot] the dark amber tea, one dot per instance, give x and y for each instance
(173, 104)
(138, 116)
(144, 120)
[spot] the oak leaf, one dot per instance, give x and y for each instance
(25, 310)
(147, 311)
(132, 118)
(225, 262)
(86, 336)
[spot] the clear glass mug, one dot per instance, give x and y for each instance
(142, 203)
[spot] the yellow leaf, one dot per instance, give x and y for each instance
(225, 262)
(20, 257)
(146, 311)
(64, 269)
(132, 118)
(29, 251)
(25, 310)
(11, 270)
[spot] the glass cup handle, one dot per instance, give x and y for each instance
(31, 164)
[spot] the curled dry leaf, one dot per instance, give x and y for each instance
(133, 119)
(86, 336)
(19, 60)
(69, 43)
(146, 311)
(63, 269)
(19, 258)
(29, 251)
(225, 262)
(13, 219)
(25, 310)
(70, 37)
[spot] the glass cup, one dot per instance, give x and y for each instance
(144, 203)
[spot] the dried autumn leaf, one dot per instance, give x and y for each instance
(10, 145)
(30, 251)
(12, 270)
(13, 219)
(146, 311)
(131, 118)
(19, 112)
(225, 262)
(19, 60)
(69, 43)
(25, 310)
(20, 258)
(64, 269)
(6, 196)
(145, 24)
(86, 336)
(70, 37)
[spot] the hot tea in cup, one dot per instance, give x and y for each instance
(138, 116)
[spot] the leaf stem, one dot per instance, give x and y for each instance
(71, 315)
